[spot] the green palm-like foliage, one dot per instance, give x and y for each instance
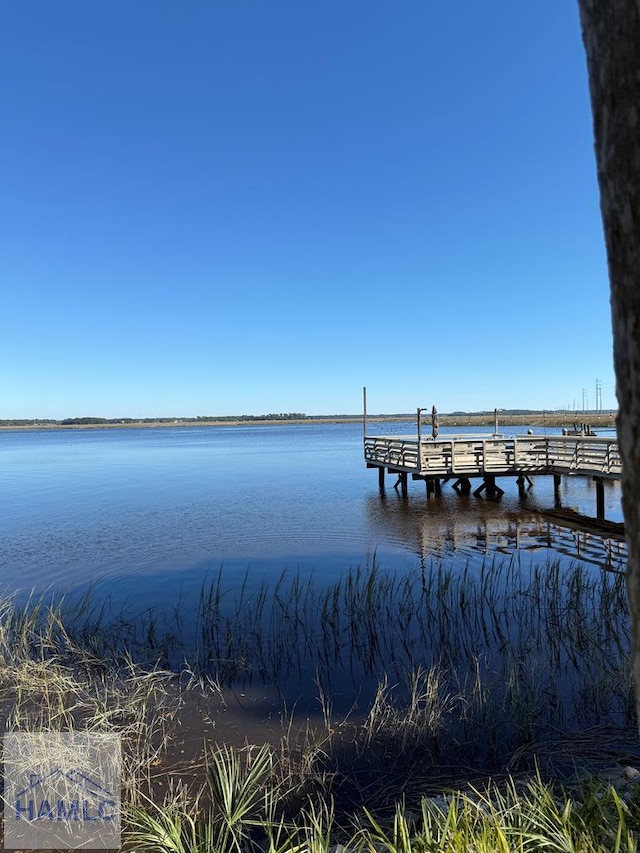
(241, 799)
(236, 786)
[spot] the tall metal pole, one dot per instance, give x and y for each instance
(364, 409)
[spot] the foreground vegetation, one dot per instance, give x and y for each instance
(243, 815)
(490, 688)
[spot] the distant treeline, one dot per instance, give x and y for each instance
(95, 421)
(287, 416)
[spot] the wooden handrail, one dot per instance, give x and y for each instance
(474, 455)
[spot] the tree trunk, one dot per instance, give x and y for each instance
(611, 35)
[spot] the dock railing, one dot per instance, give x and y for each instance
(477, 455)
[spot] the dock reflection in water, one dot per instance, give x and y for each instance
(464, 525)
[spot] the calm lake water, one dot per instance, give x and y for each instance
(149, 514)
(149, 518)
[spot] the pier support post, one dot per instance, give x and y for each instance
(402, 481)
(489, 485)
(493, 490)
(599, 498)
(381, 479)
(557, 480)
(524, 482)
(433, 487)
(477, 492)
(463, 486)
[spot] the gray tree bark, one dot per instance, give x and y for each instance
(611, 36)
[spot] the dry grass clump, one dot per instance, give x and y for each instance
(49, 682)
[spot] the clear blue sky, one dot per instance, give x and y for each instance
(243, 206)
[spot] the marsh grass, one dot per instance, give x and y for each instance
(507, 818)
(247, 812)
(512, 651)
(476, 670)
(442, 615)
(534, 625)
(49, 682)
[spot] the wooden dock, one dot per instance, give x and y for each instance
(465, 457)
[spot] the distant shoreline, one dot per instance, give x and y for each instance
(603, 420)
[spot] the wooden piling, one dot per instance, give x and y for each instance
(433, 486)
(557, 480)
(462, 486)
(489, 486)
(599, 498)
